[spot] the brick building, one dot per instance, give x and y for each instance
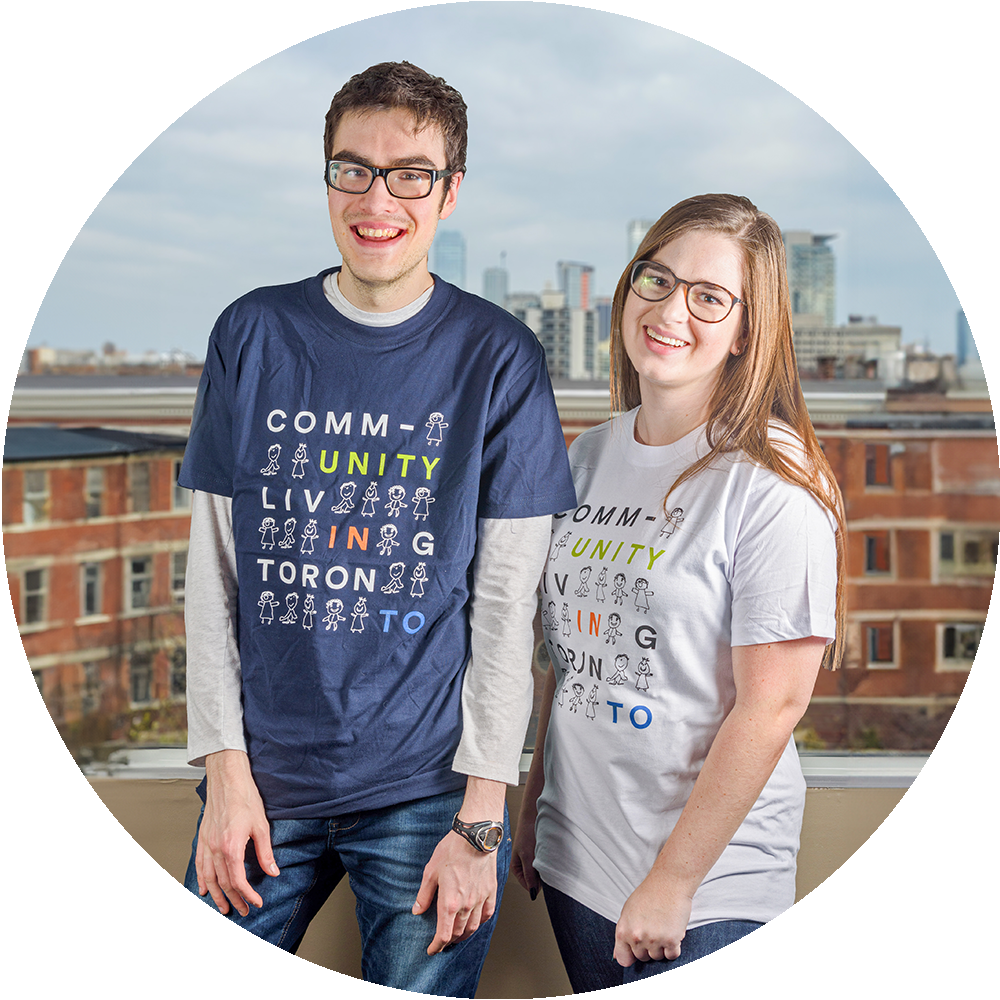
(95, 539)
(921, 483)
(922, 497)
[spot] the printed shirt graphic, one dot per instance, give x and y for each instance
(358, 460)
(640, 610)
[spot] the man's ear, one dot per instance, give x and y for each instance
(450, 196)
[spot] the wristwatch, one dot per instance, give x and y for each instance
(484, 836)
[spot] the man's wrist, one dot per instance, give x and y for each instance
(484, 835)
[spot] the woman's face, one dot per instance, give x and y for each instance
(670, 349)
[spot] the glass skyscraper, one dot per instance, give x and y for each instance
(811, 275)
(449, 256)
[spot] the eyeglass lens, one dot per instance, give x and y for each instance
(705, 301)
(402, 182)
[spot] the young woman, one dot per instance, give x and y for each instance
(663, 823)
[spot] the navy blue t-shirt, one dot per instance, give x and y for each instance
(358, 460)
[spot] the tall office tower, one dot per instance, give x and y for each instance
(602, 306)
(637, 229)
(966, 346)
(811, 277)
(568, 335)
(495, 283)
(449, 256)
(574, 281)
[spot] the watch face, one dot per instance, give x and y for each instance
(491, 839)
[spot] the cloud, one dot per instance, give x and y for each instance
(579, 121)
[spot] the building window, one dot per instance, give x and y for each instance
(182, 496)
(35, 593)
(878, 471)
(959, 643)
(138, 485)
(880, 644)
(36, 496)
(90, 589)
(877, 552)
(90, 690)
(177, 575)
(94, 491)
(968, 553)
(178, 674)
(141, 678)
(140, 582)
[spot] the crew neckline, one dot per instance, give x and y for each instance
(687, 447)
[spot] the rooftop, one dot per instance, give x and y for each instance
(28, 444)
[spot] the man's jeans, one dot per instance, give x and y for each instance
(383, 853)
(587, 942)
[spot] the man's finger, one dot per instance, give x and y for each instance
(241, 894)
(264, 851)
(425, 894)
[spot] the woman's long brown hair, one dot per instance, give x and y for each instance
(756, 387)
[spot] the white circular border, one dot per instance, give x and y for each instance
(92, 85)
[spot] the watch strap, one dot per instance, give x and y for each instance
(485, 836)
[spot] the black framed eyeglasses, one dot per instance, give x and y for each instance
(705, 301)
(401, 182)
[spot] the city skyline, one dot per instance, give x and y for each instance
(898, 84)
(230, 196)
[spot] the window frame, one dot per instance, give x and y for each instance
(878, 457)
(93, 501)
(959, 538)
(37, 501)
(131, 577)
(140, 664)
(955, 664)
(98, 586)
(871, 538)
(140, 494)
(177, 592)
(181, 495)
(867, 628)
(40, 595)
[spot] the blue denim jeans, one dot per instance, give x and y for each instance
(383, 853)
(587, 942)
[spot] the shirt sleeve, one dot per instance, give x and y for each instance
(784, 576)
(214, 692)
(525, 469)
(208, 456)
(498, 688)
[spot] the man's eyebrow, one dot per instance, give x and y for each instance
(403, 161)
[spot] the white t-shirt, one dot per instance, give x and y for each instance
(640, 611)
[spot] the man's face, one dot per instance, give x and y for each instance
(384, 240)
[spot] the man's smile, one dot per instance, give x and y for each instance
(378, 234)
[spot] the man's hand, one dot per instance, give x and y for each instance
(465, 881)
(234, 814)
(653, 923)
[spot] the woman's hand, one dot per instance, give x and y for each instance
(522, 860)
(653, 923)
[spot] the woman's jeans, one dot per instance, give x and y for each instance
(587, 942)
(383, 853)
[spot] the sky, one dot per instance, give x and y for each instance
(579, 120)
(85, 88)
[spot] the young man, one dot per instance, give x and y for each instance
(375, 456)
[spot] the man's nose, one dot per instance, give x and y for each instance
(378, 195)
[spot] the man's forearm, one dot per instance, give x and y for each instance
(498, 689)
(214, 706)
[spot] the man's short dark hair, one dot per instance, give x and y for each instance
(390, 85)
